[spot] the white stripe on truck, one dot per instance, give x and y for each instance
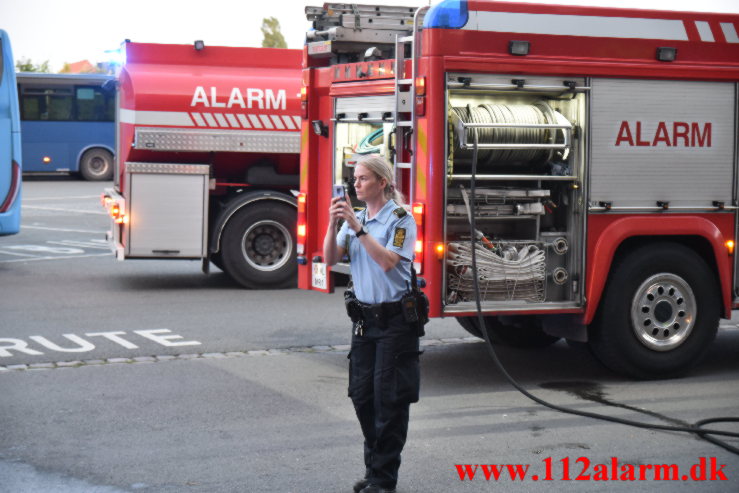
(209, 120)
(577, 25)
(171, 118)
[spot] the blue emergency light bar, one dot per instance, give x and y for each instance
(447, 14)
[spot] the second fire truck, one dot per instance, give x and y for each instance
(602, 145)
(207, 158)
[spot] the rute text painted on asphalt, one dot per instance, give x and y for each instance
(73, 343)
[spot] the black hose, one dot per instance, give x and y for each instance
(696, 428)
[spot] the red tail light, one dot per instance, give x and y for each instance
(302, 227)
(418, 215)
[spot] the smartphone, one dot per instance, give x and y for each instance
(339, 191)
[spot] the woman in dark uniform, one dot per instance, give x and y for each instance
(383, 361)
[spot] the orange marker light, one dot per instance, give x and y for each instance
(730, 246)
(301, 230)
(439, 251)
(46, 159)
(419, 247)
(420, 86)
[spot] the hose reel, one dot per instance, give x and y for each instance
(510, 134)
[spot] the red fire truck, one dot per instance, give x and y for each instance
(602, 144)
(207, 156)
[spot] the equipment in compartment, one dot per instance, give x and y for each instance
(527, 138)
(496, 202)
(508, 271)
(510, 134)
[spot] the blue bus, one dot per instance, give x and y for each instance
(67, 123)
(10, 143)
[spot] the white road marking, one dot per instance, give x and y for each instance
(20, 345)
(16, 253)
(26, 199)
(81, 244)
(58, 209)
(25, 226)
(46, 249)
(115, 337)
(163, 337)
(55, 258)
(83, 346)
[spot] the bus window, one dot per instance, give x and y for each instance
(53, 104)
(95, 105)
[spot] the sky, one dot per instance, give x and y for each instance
(73, 30)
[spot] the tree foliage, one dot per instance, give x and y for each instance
(272, 36)
(26, 65)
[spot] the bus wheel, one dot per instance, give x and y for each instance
(258, 246)
(96, 165)
(659, 312)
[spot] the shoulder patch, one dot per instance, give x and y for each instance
(399, 237)
(400, 212)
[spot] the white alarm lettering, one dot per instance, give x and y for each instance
(236, 98)
(214, 99)
(251, 97)
(276, 102)
(200, 97)
(255, 95)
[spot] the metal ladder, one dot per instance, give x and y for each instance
(340, 28)
(405, 103)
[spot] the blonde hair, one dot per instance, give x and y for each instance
(382, 168)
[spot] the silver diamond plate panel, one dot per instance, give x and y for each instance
(200, 140)
(175, 169)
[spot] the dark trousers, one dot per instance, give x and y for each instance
(384, 380)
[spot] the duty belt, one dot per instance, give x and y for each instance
(380, 312)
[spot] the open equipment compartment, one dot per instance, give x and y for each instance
(529, 201)
(361, 127)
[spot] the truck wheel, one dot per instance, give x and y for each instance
(258, 249)
(659, 312)
(96, 165)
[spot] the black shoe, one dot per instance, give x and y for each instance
(373, 488)
(360, 485)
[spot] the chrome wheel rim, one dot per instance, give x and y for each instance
(267, 245)
(663, 312)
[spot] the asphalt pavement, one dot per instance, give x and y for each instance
(150, 376)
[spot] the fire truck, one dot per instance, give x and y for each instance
(601, 144)
(207, 159)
